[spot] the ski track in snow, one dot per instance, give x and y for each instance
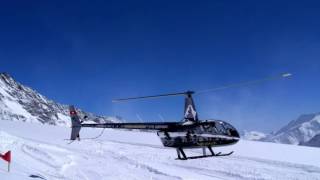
(232, 168)
(118, 155)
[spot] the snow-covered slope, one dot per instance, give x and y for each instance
(21, 103)
(40, 151)
(253, 135)
(298, 131)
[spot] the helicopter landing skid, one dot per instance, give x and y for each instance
(184, 157)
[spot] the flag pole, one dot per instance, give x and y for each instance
(8, 166)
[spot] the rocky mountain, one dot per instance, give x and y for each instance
(299, 131)
(21, 103)
(314, 142)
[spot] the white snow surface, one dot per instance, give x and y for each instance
(41, 151)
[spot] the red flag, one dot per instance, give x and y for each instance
(6, 156)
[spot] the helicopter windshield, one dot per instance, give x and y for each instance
(224, 128)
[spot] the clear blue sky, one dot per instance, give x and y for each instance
(89, 52)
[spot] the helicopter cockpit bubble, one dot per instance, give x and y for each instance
(229, 129)
(223, 128)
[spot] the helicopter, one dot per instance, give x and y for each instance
(189, 133)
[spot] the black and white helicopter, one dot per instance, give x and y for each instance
(189, 133)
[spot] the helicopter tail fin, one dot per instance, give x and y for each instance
(190, 113)
(75, 123)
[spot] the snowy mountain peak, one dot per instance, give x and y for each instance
(298, 131)
(5, 76)
(253, 135)
(295, 123)
(21, 103)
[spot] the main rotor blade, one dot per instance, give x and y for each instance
(281, 76)
(155, 96)
(285, 75)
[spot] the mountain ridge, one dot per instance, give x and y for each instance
(299, 131)
(21, 103)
